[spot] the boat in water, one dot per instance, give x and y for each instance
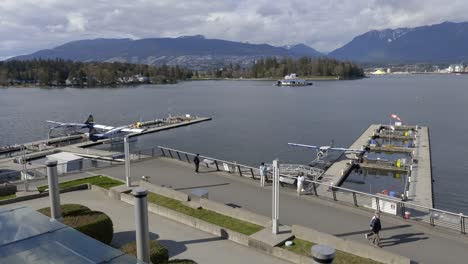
(292, 80)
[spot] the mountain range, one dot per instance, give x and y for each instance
(440, 43)
(195, 52)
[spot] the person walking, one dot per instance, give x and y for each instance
(263, 172)
(196, 161)
(300, 183)
(376, 226)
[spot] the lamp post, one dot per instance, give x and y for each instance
(127, 162)
(275, 197)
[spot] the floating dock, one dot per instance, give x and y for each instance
(151, 129)
(338, 171)
(419, 185)
(391, 149)
(42, 148)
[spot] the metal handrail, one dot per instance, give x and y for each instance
(429, 210)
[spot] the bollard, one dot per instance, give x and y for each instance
(322, 254)
(141, 224)
(54, 194)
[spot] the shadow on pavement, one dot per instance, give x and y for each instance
(401, 239)
(202, 186)
(367, 231)
(178, 247)
(122, 238)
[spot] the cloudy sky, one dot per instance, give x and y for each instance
(29, 25)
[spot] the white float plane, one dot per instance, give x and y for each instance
(94, 135)
(87, 124)
(111, 132)
(322, 151)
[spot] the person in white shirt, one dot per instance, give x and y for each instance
(263, 172)
(300, 183)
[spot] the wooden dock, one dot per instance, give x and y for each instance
(149, 130)
(394, 136)
(340, 169)
(392, 149)
(420, 172)
(420, 186)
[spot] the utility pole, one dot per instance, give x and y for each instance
(275, 197)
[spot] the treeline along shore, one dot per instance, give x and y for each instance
(59, 72)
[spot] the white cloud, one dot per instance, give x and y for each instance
(76, 22)
(323, 24)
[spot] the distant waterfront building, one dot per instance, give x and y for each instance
(456, 68)
(378, 72)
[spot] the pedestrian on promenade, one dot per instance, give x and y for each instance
(263, 172)
(376, 226)
(300, 183)
(196, 161)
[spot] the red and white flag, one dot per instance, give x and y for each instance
(395, 117)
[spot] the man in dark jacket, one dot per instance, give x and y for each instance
(196, 161)
(376, 226)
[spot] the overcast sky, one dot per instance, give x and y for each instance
(30, 25)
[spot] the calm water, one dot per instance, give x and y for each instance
(253, 120)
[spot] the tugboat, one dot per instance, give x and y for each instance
(292, 80)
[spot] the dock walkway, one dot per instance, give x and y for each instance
(401, 237)
(420, 186)
(337, 172)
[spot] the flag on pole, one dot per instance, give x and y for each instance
(395, 117)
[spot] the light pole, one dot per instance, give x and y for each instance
(24, 169)
(127, 162)
(275, 197)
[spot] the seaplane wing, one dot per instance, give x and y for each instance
(60, 124)
(132, 130)
(324, 148)
(88, 123)
(303, 146)
(103, 127)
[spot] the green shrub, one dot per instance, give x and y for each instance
(67, 210)
(92, 223)
(182, 261)
(158, 253)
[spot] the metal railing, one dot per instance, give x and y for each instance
(40, 172)
(382, 203)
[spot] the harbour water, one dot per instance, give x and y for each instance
(254, 120)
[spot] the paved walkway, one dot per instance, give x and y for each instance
(182, 241)
(421, 244)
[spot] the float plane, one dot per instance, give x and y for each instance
(87, 124)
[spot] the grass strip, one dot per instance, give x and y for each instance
(101, 181)
(6, 197)
(231, 223)
(302, 247)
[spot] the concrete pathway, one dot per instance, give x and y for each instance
(421, 244)
(182, 241)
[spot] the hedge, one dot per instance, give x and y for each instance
(182, 261)
(158, 253)
(92, 223)
(67, 210)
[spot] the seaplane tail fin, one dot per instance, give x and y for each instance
(90, 120)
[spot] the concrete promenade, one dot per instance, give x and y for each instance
(420, 243)
(182, 241)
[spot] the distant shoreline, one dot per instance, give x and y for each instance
(308, 78)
